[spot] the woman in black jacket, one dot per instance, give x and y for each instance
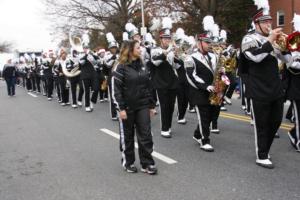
(132, 96)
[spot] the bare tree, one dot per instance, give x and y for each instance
(5, 46)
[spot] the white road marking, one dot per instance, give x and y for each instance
(33, 95)
(155, 154)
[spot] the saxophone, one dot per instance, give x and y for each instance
(220, 79)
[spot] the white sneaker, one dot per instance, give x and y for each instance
(215, 130)
(207, 148)
(63, 104)
(192, 110)
(228, 101)
(91, 105)
(182, 121)
(101, 100)
(223, 108)
(88, 109)
(166, 134)
(244, 107)
(74, 106)
(105, 99)
(49, 99)
(79, 103)
(266, 163)
(68, 103)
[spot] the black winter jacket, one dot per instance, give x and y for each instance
(131, 87)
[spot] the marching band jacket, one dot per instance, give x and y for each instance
(46, 67)
(131, 87)
(293, 88)
(165, 75)
(86, 65)
(263, 81)
(200, 74)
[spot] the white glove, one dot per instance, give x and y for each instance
(210, 88)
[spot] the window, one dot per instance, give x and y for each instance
(280, 18)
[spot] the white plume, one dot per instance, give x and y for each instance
(130, 27)
(149, 38)
(179, 34)
(223, 34)
(156, 23)
(110, 37)
(125, 36)
(22, 59)
(191, 40)
(263, 4)
(216, 30)
(33, 56)
(208, 23)
(27, 57)
(167, 23)
(85, 38)
(296, 22)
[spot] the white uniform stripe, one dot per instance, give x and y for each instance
(199, 122)
(296, 123)
(255, 128)
(122, 139)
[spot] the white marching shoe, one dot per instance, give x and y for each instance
(74, 106)
(88, 109)
(207, 148)
(166, 134)
(79, 103)
(181, 121)
(266, 163)
(228, 101)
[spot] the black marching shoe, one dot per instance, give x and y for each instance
(150, 169)
(131, 169)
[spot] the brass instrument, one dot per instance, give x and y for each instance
(103, 86)
(220, 79)
(230, 64)
(289, 42)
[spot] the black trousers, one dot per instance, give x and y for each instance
(295, 131)
(230, 89)
(182, 100)
(138, 121)
(75, 82)
(113, 110)
(215, 116)
(57, 88)
(88, 85)
(11, 82)
(267, 118)
(38, 83)
(166, 99)
(28, 83)
(289, 113)
(49, 86)
(64, 91)
(205, 116)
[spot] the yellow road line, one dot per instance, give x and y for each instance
(248, 119)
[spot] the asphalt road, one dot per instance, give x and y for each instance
(49, 152)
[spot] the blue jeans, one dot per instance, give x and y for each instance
(11, 82)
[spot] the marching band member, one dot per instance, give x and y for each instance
(61, 78)
(110, 61)
(135, 106)
(74, 79)
(264, 86)
(293, 89)
(88, 76)
(102, 74)
(165, 79)
(200, 67)
(47, 65)
(28, 72)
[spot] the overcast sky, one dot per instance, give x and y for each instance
(23, 23)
